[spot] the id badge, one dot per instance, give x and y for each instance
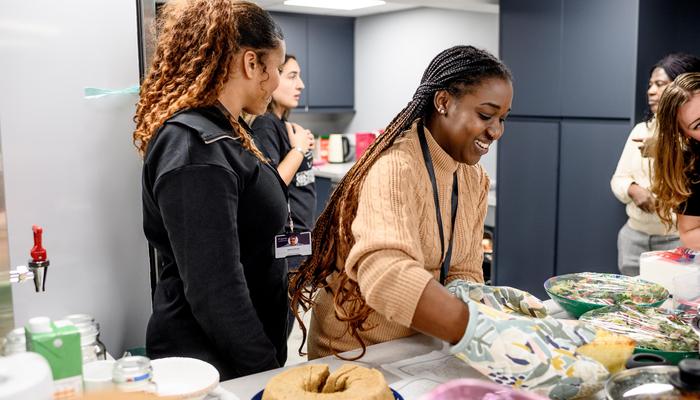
(293, 244)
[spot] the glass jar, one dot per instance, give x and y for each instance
(92, 348)
(133, 374)
(15, 342)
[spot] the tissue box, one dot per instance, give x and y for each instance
(662, 266)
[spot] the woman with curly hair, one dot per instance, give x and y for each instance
(676, 176)
(211, 202)
(631, 182)
(408, 218)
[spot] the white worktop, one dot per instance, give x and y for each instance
(335, 173)
(380, 356)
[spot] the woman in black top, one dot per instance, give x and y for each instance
(288, 147)
(676, 175)
(211, 202)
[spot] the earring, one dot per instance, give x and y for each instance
(441, 111)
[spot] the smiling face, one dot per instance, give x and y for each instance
(472, 121)
(289, 90)
(657, 84)
(689, 117)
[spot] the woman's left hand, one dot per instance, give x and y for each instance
(502, 298)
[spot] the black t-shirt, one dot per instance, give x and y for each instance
(270, 136)
(691, 206)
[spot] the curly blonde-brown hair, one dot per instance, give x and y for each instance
(197, 43)
(675, 154)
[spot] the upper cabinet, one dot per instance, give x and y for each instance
(325, 49)
(571, 58)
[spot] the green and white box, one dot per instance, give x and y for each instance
(59, 343)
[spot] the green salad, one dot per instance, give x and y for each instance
(651, 327)
(607, 289)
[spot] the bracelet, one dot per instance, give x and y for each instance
(300, 150)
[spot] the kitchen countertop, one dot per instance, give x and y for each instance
(335, 173)
(379, 356)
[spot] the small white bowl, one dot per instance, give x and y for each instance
(184, 378)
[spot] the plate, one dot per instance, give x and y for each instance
(655, 330)
(585, 291)
(397, 396)
(184, 378)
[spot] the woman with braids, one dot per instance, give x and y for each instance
(212, 205)
(408, 218)
(631, 182)
(676, 176)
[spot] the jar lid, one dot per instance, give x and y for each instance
(641, 383)
(16, 335)
(687, 378)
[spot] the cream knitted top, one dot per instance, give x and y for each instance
(397, 244)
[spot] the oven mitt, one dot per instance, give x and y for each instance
(503, 298)
(530, 353)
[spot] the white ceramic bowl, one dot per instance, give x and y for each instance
(184, 378)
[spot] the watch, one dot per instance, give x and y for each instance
(300, 150)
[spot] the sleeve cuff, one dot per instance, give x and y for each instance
(470, 331)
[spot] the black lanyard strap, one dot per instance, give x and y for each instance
(446, 257)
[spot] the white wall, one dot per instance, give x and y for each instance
(69, 163)
(392, 51)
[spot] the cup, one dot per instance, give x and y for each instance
(686, 292)
(362, 142)
(97, 376)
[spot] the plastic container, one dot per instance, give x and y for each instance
(596, 290)
(460, 389)
(91, 347)
(133, 374)
(677, 340)
(15, 342)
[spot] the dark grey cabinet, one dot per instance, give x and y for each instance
(331, 80)
(571, 58)
(527, 197)
(534, 58)
(598, 58)
(325, 49)
(589, 216)
(294, 29)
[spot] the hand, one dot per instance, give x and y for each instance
(644, 147)
(642, 198)
(502, 298)
(530, 353)
(299, 137)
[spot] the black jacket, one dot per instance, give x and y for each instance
(211, 209)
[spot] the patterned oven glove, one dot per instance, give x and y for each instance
(530, 353)
(502, 298)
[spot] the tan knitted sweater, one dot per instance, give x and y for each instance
(397, 244)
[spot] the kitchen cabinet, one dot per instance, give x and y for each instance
(325, 49)
(589, 215)
(598, 58)
(527, 197)
(294, 28)
(529, 45)
(571, 58)
(324, 189)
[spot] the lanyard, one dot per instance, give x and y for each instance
(431, 172)
(289, 217)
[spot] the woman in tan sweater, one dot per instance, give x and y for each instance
(379, 237)
(408, 218)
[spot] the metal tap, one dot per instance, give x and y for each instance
(39, 263)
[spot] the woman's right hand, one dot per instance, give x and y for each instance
(299, 137)
(538, 354)
(642, 198)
